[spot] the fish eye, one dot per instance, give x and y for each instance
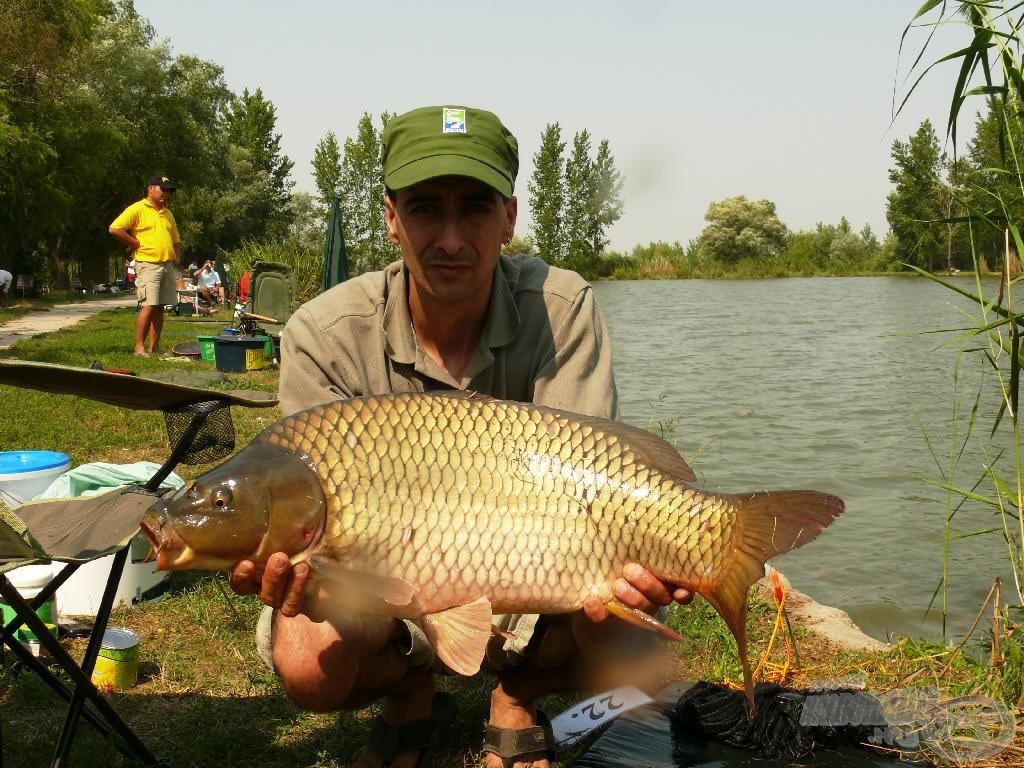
(222, 498)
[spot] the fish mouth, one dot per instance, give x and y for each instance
(166, 547)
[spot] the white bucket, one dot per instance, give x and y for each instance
(26, 474)
(82, 593)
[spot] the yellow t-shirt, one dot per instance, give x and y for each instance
(155, 230)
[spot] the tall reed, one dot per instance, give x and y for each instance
(990, 68)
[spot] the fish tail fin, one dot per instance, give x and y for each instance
(768, 524)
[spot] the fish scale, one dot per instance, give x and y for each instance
(449, 506)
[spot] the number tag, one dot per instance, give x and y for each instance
(579, 720)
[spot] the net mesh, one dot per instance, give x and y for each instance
(215, 438)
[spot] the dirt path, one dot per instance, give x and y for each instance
(56, 317)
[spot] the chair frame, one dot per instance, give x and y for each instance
(83, 698)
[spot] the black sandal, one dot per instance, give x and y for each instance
(511, 744)
(389, 741)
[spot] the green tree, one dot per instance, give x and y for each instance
(547, 195)
(40, 96)
(916, 207)
(306, 229)
(580, 192)
(991, 188)
(250, 120)
(607, 200)
(362, 198)
(520, 245)
(327, 172)
(739, 228)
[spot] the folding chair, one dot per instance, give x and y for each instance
(272, 294)
(75, 531)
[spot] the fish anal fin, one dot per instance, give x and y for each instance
(640, 618)
(460, 634)
(390, 589)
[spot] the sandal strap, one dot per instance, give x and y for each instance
(510, 743)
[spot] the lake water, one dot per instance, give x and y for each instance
(835, 384)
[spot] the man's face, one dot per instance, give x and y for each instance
(450, 231)
(157, 195)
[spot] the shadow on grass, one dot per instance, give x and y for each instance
(202, 730)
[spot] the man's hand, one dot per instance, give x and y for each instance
(638, 588)
(281, 585)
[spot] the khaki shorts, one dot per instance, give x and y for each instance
(156, 283)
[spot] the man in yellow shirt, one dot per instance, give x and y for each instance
(149, 230)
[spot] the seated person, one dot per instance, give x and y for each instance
(208, 284)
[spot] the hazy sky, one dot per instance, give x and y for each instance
(789, 100)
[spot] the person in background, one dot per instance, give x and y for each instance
(129, 273)
(6, 278)
(243, 287)
(452, 314)
(148, 228)
(208, 283)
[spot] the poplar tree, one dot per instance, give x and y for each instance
(547, 195)
(326, 172)
(915, 207)
(250, 122)
(580, 194)
(607, 200)
(362, 198)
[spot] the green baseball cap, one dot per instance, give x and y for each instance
(449, 141)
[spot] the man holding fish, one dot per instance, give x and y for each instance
(454, 314)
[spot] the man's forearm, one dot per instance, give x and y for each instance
(125, 238)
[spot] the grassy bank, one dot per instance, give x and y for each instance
(204, 699)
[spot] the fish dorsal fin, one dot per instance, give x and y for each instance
(390, 589)
(653, 451)
(649, 448)
(460, 634)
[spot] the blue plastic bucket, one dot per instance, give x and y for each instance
(26, 474)
(237, 354)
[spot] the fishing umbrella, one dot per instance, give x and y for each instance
(335, 260)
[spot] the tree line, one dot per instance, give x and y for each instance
(574, 199)
(945, 210)
(91, 104)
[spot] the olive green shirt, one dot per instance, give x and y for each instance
(544, 341)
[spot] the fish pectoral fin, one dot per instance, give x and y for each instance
(460, 634)
(390, 589)
(640, 619)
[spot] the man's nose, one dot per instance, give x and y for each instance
(450, 237)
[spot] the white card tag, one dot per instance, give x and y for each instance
(579, 720)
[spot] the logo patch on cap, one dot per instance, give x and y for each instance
(453, 120)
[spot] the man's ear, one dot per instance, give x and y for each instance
(391, 219)
(511, 212)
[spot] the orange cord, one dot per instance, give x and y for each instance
(772, 671)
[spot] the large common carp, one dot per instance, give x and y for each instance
(449, 506)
